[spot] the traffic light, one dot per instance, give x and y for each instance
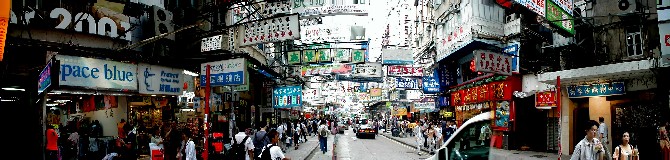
(162, 22)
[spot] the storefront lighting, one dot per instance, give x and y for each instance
(163, 96)
(52, 104)
(153, 95)
(54, 93)
(13, 89)
(190, 73)
(81, 97)
(188, 109)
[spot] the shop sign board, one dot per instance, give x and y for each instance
(447, 77)
(270, 30)
(357, 55)
(376, 92)
(356, 9)
(664, 30)
(453, 40)
(225, 72)
(537, 6)
(405, 71)
(491, 62)
(155, 79)
(597, 90)
(408, 83)
(397, 57)
(431, 83)
(367, 70)
(46, 78)
(326, 69)
(424, 106)
(212, 43)
(324, 33)
(294, 57)
(566, 5)
(309, 95)
(342, 55)
(560, 17)
(96, 73)
(545, 99)
(443, 101)
(287, 97)
(310, 56)
(493, 91)
(512, 49)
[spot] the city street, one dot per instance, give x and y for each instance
(350, 147)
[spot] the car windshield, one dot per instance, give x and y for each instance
(365, 121)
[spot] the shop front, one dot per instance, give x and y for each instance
(91, 97)
(490, 93)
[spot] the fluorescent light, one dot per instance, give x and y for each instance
(190, 73)
(153, 95)
(13, 89)
(187, 109)
(7, 100)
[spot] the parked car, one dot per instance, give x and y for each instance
(463, 144)
(365, 129)
(341, 127)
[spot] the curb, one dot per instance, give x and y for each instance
(399, 141)
(311, 153)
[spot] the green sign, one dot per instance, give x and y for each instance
(560, 18)
(324, 55)
(342, 55)
(358, 55)
(294, 57)
(310, 56)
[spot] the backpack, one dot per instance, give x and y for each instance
(238, 150)
(266, 153)
(323, 132)
(262, 141)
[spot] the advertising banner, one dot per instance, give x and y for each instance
(96, 73)
(225, 72)
(405, 71)
(491, 62)
(512, 49)
(155, 79)
(287, 97)
(447, 77)
(270, 30)
(597, 90)
(537, 6)
(326, 69)
(560, 17)
(664, 31)
(45, 80)
(397, 57)
(408, 83)
(367, 70)
(324, 33)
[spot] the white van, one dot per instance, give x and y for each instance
(465, 144)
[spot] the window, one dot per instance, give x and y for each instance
(472, 142)
(634, 41)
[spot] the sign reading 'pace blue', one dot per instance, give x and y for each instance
(96, 73)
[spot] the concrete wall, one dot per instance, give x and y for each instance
(567, 125)
(600, 107)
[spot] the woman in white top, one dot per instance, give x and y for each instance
(625, 151)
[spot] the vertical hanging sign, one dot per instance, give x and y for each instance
(4, 23)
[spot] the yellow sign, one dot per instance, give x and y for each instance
(401, 111)
(4, 22)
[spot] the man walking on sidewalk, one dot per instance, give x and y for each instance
(323, 136)
(419, 137)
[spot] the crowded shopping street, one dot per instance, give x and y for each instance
(335, 79)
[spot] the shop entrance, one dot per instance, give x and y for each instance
(581, 116)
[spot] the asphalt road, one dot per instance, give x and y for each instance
(351, 148)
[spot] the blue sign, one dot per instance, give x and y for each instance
(513, 50)
(287, 97)
(446, 77)
(596, 90)
(363, 87)
(96, 73)
(407, 83)
(160, 80)
(365, 47)
(223, 73)
(431, 83)
(443, 101)
(45, 79)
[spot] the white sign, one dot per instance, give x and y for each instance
(96, 73)
(160, 80)
(211, 43)
(367, 70)
(566, 5)
(331, 10)
(270, 30)
(397, 57)
(453, 40)
(310, 95)
(537, 6)
(80, 20)
(664, 31)
(226, 72)
(327, 33)
(424, 105)
(490, 62)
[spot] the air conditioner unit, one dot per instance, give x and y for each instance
(626, 6)
(511, 17)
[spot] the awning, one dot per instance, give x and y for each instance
(617, 71)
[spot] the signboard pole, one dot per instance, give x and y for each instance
(558, 106)
(208, 88)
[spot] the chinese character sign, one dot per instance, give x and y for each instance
(546, 99)
(287, 97)
(226, 72)
(431, 83)
(490, 62)
(407, 83)
(595, 90)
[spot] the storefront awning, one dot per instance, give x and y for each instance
(618, 71)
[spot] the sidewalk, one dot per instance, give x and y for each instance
(497, 154)
(310, 149)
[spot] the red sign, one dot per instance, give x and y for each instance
(667, 40)
(545, 99)
(488, 92)
(405, 71)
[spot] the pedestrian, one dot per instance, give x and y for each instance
(189, 149)
(603, 136)
(282, 136)
(260, 139)
(52, 143)
(419, 137)
(272, 151)
(626, 151)
(323, 136)
(430, 137)
(664, 141)
(243, 146)
(590, 147)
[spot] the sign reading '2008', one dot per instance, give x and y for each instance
(94, 27)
